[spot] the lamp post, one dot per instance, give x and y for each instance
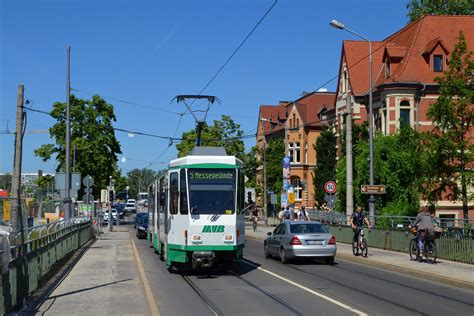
(341, 26)
(265, 216)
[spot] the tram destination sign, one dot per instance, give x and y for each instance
(372, 189)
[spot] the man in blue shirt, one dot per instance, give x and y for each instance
(357, 222)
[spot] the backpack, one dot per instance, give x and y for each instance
(287, 214)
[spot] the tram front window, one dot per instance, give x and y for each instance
(212, 191)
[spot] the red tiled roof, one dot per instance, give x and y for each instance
(310, 105)
(272, 113)
(418, 37)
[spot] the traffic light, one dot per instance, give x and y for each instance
(111, 196)
(249, 197)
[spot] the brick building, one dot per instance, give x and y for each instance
(299, 123)
(405, 66)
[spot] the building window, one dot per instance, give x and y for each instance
(344, 82)
(296, 183)
(294, 152)
(298, 123)
(306, 153)
(438, 63)
(294, 120)
(387, 68)
(405, 113)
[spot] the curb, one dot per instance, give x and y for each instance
(394, 268)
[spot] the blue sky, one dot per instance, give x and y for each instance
(147, 52)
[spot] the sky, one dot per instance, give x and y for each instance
(147, 52)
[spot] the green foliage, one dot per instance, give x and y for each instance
(274, 155)
(250, 167)
(450, 149)
(6, 182)
(224, 132)
(93, 135)
(325, 169)
(45, 182)
(139, 180)
(419, 8)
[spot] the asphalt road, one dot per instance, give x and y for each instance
(260, 286)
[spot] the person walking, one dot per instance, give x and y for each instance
(287, 214)
(302, 214)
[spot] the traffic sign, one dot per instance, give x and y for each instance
(372, 189)
(88, 199)
(88, 181)
(291, 198)
(330, 187)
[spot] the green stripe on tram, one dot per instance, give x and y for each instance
(207, 166)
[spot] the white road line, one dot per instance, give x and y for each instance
(327, 298)
(149, 295)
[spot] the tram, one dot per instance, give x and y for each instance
(195, 210)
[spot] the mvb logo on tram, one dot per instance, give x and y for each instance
(213, 229)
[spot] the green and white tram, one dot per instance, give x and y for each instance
(195, 209)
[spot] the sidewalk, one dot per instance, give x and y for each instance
(454, 273)
(105, 281)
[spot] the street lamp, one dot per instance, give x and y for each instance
(341, 26)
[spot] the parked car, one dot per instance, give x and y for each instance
(142, 226)
(138, 217)
(300, 239)
(130, 208)
(105, 216)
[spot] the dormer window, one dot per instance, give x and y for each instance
(438, 63)
(387, 68)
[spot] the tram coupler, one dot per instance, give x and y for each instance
(203, 259)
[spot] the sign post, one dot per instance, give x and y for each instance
(330, 187)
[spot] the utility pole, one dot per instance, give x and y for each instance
(265, 183)
(349, 165)
(17, 213)
(67, 200)
(111, 220)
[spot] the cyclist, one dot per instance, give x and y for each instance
(425, 225)
(357, 223)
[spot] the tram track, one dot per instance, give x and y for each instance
(215, 310)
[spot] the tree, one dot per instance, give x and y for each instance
(251, 165)
(451, 143)
(274, 156)
(419, 8)
(93, 135)
(325, 169)
(139, 180)
(6, 181)
(225, 132)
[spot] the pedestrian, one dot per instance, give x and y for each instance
(302, 214)
(287, 214)
(280, 214)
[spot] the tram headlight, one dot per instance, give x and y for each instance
(228, 238)
(196, 238)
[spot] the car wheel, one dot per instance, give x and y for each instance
(266, 251)
(283, 257)
(330, 260)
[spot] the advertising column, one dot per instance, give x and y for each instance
(286, 181)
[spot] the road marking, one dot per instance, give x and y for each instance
(325, 297)
(149, 295)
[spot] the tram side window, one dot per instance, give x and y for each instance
(183, 193)
(174, 192)
(240, 191)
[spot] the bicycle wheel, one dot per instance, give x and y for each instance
(355, 248)
(413, 249)
(430, 252)
(364, 248)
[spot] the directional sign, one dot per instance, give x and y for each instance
(372, 189)
(330, 187)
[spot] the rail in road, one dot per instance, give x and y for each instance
(267, 287)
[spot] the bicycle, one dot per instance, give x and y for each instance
(361, 244)
(429, 251)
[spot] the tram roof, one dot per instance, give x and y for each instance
(206, 157)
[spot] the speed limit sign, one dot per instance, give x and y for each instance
(330, 187)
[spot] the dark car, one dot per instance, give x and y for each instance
(138, 217)
(142, 226)
(120, 209)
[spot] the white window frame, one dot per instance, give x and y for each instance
(298, 189)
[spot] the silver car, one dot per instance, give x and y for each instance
(300, 239)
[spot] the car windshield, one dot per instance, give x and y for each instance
(130, 205)
(212, 191)
(308, 228)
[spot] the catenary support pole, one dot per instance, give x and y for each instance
(349, 164)
(67, 200)
(16, 181)
(265, 184)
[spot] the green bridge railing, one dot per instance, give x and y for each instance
(454, 248)
(44, 248)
